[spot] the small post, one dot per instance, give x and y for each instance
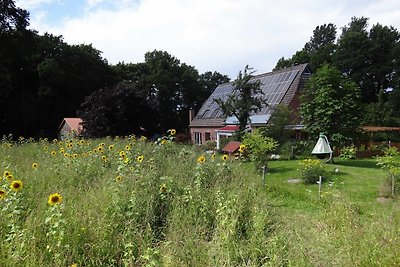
(263, 175)
(392, 184)
(319, 187)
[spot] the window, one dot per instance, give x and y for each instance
(207, 137)
(197, 138)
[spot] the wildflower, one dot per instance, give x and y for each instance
(122, 154)
(16, 185)
(54, 199)
(2, 194)
(10, 177)
(172, 131)
(163, 188)
(6, 173)
(53, 153)
(118, 178)
(242, 148)
(140, 158)
(34, 165)
(201, 159)
(224, 157)
(110, 147)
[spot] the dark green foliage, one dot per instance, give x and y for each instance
(331, 104)
(279, 119)
(247, 97)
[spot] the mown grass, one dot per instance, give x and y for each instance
(170, 210)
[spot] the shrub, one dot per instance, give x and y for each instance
(348, 152)
(311, 170)
(258, 147)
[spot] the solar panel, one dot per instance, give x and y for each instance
(273, 85)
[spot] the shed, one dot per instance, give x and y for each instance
(70, 127)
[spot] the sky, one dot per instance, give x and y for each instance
(211, 35)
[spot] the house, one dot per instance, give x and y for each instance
(280, 87)
(70, 127)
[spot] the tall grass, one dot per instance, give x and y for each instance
(171, 210)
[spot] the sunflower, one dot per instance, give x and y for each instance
(122, 154)
(164, 142)
(75, 156)
(2, 194)
(6, 173)
(16, 185)
(104, 158)
(140, 158)
(118, 178)
(201, 159)
(110, 147)
(242, 148)
(127, 147)
(69, 145)
(34, 165)
(101, 149)
(163, 188)
(10, 177)
(54, 199)
(172, 131)
(81, 141)
(143, 138)
(225, 157)
(53, 153)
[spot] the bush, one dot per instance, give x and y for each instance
(311, 170)
(258, 147)
(348, 152)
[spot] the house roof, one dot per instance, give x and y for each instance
(74, 123)
(279, 87)
(231, 147)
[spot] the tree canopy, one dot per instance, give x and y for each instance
(246, 98)
(331, 104)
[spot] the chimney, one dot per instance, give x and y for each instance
(192, 114)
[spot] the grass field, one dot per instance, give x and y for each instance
(128, 202)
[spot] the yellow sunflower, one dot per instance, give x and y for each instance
(118, 178)
(10, 177)
(16, 185)
(127, 147)
(242, 148)
(53, 153)
(201, 159)
(110, 147)
(54, 199)
(2, 194)
(6, 173)
(34, 165)
(104, 158)
(163, 188)
(225, 157)
(143, 138)
(164, 142)
(172, 131)
(122, 154)
(140, 158)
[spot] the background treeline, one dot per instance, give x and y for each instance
(43, 79)
(370, 56)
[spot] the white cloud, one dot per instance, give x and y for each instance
(221, 35)
(30, 4)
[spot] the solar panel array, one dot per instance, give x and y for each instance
(273, 85)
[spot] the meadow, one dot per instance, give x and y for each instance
(130, 202)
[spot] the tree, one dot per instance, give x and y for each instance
(246, 98)
(11, 17)
(281, 117)
(331, 104)
(120, 109)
